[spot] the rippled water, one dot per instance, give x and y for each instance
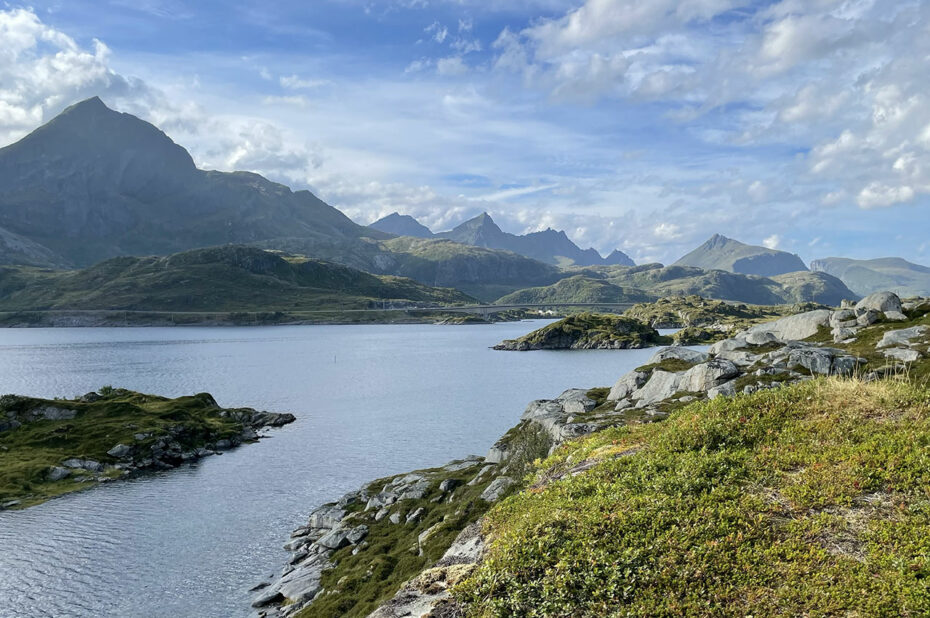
(190, 542)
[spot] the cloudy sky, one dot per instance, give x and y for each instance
(644, 125)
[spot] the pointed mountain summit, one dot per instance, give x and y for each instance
(722, 253)
(94, 183)
(402, 225)
(551, 246)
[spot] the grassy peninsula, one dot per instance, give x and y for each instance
(49, 447)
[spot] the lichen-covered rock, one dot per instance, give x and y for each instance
(794, 327)
(883, 302)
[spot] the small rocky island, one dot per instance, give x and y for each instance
(588, 331)
(807, 431)
(50, 447)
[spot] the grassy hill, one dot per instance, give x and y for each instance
(809, 500)
(230, 278)
(588, 331)
(576, 289)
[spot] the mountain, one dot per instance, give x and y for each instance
(402, 225)
(577, 289)
(722, 253)
(550, 246)
(660, 281)
(94, 183)
(228, 278)
(868, 276)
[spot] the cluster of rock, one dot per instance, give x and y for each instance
(587, 331)
(404, 500)
(767, 355)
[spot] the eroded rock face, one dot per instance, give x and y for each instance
(679, 353)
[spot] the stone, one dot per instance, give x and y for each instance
(843, 334)
(868, 318)
(794, 327)
(907, 356)
(449, 485)
(706, 376)
(895, 316)
(54, 413)
(57, 473)
(120, 451)
(761, 338)
(496, 489)
(83, 464)
(678, 353)
(335, 539)
(627, 385)
(883, 302)
(841, 317)
(267, 598)
(357, 534)
(394, 518)
(901, 337)
(326, 516)
(739, 358)
(576, 401)
(728, 345)
(727, 389)
(415, 516)
(381, 514)
(661, 385)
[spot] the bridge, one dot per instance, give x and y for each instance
(486, 310)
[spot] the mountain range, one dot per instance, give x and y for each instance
(94, 184)
(867, 276)
(550, 246)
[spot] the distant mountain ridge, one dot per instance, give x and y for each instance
(550, 246)
(722, 253)
(869, 276)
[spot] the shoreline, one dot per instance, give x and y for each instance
(120, 318)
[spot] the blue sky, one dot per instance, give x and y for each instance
(632, 124)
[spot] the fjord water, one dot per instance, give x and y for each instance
(370, 400)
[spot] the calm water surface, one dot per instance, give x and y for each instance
(370, 401)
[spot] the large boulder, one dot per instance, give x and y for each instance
(706, 376)
(883, 302)
(901, 337)
(678, 353)
(794, 327)
(627, 385)
(576, 401)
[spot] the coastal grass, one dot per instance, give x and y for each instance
(28, 452)
(813, 499)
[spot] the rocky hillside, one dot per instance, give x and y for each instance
(588, 331)
(868, 276)
(229, 278)
(772, 473)
(722, 253)
(52, 447)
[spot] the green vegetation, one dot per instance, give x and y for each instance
(588, 331)
(807, 500)
(230, 279)
(866, 277)
(37, 435)
(660, 281)
(575, 289)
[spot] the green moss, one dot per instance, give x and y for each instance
(806, 500)
(672, 365)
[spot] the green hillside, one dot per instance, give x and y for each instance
(230, 278)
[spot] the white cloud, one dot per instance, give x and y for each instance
(294, 82)
(452, 65)
(772, 241)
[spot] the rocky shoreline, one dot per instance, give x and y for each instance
(864, 339)
(150, 434)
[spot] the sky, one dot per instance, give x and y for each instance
(641, 125)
